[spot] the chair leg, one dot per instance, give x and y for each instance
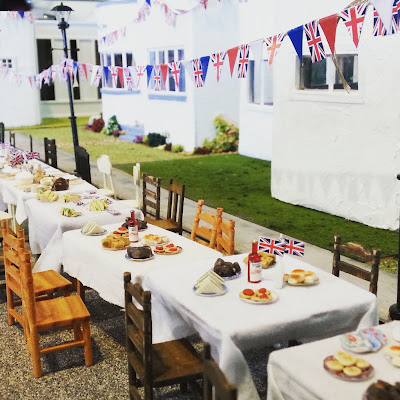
(34, 349)
(77, 332)
(80, 289)
(10, 306)
(87, 343)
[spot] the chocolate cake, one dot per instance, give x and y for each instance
(139, 252)
(61, 184)
(382, 390)
(226, 269)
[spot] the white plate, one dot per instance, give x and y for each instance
(229, 278)
(211, 294)
(304, 283)
(273, 294)
(342, 376)
(128, 257)
(146, 242)
(166, 253)
(95, 234)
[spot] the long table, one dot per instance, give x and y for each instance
(297, 373)
(328, 308)
(84, 258)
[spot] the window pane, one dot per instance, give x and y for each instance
(348, 65)
(152, 58)
(45, 59)
(74, 56)
(171, 80)
(182, 77)
(118, 63)
(161, 58)
(97, 54)
(268, 83)
(129, 59)
(313, 75)
(108, 82)
(255, 89)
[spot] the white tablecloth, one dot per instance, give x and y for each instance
(85, 259)
(46, 228)
(297, 373)
(333, 306)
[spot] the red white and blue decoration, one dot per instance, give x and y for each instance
(273, 44)
(314, 41)
(243, 61)
(271, 246)
(217, 60)
(353, 19)
(294, 247)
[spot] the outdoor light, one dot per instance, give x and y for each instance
(62, 14)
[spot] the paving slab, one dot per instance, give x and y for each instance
(245, 231)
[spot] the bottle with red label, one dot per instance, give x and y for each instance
(133, 228)
(254, 265)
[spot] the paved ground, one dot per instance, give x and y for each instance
(245, 231)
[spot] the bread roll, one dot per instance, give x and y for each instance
(106, 243)
(334, 365)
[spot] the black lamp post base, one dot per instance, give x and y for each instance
(394, 311)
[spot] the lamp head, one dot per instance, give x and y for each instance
(62, 15)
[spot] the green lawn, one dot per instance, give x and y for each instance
(239, 184)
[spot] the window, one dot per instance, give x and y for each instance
(45, 58)
(116, 60)
(323, 74)
(260, 83)
(74, 55)
(6, 62)
(157, 57)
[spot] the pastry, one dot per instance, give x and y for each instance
(298, 275)
(334, 365)
(310, 277)
(106, 243)
(346, 359)
(362, 364)
(352, 371)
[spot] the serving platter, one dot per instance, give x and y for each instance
(274, 295)
(167, 253)
(365, 374)
(225, 289)
(95, 234)
(129, 258)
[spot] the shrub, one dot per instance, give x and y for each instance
(201, 150)
(139, 139)
(227, 138)
(155, 139)
(112, 125)
(97, 125)
(177, 148)
(145, 140)
(168, 147)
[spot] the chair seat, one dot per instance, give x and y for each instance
(60, 311)
(163, 223)
(106, 192)
(132, 203)
(49, 281)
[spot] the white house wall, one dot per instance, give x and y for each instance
(339, 152)
(19, 105)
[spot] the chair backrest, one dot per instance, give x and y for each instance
(83, 163)
(2, 132)
(206, 235)
(151, 196)
(137, 183)
(354, 249)
(12, 139)
(226, 237)
(50, 152)
(31, 143)
(176, 197)
(138, 333)
(214, 378)
(105, 167)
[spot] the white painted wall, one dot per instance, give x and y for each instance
(19, 105)
(339, 152)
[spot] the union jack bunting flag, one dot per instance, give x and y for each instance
(157, 78)
(294, 247)
(31, 155)
(114, 74)
(353, 18)
(175, 68)
(47, 76)
(198, 72)
(5, 145)
(70, 66)
(379, 29)
(82, 71)
(217, 60)
(314, 41)
(128, 78)
(273, 44)
(139, 73)
(243, 62)
(271, 246)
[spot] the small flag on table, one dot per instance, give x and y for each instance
(294, 247)
(271, 246)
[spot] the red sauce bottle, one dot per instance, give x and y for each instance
(254, 266)
(133, 228)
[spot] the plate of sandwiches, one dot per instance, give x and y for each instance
(168, 249)
(154, 240)
(258, 296)
(209, 285)
(93, 229)
(300, 277)
(348, 367)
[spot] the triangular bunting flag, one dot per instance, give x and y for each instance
(157, 78)
(175, 68)
(204, 66)
(187, 64)
(114, 75)
(232, 54)
(149, 70)
(329, 25)
(198, 72)
(353, 18)
(164, 72)
(106, 74)
(217, 60)
(273, 44)
(121, 75)
(384, 8)
(314, 41)
(296, 36)
(256, 48)
(378, 28)
(21, 14)
(94, 72)
(139, 73)
(82, 71)
(148, 2)
(131, 77)
(243, 60)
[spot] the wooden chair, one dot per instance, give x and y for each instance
(49, 315)
(2, 129)
(206, 235)
(45, 283)
(82, 159)
(214, 378)
(176, 197)
(226, 237)
(154, 365)
(105, 167)
(50, 152)
(361, 253)
(137, 201)
(6, 216)
(31, 143)
(151, 196)
(12, 139)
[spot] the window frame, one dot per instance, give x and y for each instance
(6, 61)
(105, 56)
(251, 84)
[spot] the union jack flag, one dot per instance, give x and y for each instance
(47, 76)
(314, 41)
(157, 78)
(114, 74)
(5, 145)
(198, 72)
(353, 18)
(379, 29)
(99, 74)
(30, 155)
(294, 247)
(82, 71)
(175, 68)
(128, 78)
(271, 246)
(243, 60)
(16, 157)
(139, 73)
(70, 66)
(217, 60)
(273, 43)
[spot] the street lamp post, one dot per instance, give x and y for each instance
(62, 14)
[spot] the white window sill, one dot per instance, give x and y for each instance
(262, 108)
(328, 96)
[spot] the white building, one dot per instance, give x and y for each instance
(186, 114)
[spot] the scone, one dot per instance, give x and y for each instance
(352, 371)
